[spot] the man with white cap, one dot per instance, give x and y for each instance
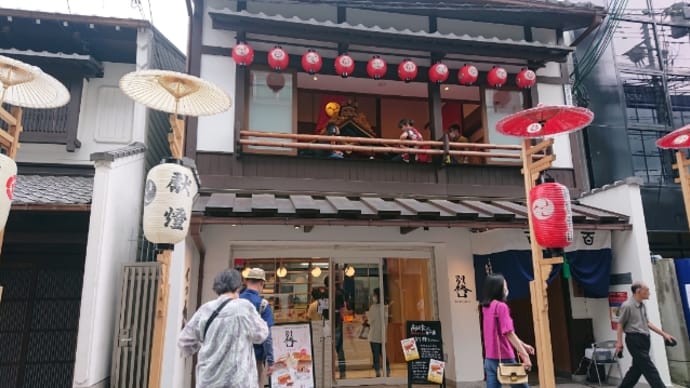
(256, 278)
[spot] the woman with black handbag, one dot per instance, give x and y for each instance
(499, 334)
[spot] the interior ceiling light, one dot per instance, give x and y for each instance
(316, 272)
(349, 271)
(281, 272)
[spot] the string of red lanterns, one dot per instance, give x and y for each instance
(312, 62)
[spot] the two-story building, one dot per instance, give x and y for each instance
(424, 234)
(77, 209)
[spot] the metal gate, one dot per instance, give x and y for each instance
(132, 348)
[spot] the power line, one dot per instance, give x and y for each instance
(69, 9)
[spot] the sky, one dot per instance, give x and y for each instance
(169, 16)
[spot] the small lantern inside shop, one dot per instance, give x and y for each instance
(438, 73)
(525, 79)
(344, 65)
(243, 54)
(467, 75)
(497, 77)
(407, 70)
(311, 62)
(552, 215)
(168, 196)
(376, 67)
(278, 59)
(8, 177)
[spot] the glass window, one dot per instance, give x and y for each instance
(500, 103)
(679, 92)
(271, 106)
(634, 45)
(649, 162)
(645, 99)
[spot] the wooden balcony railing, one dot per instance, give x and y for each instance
(372, 146)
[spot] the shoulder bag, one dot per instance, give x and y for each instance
(214, 315)
(508, 373)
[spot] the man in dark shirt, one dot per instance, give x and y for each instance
(256, 278)
(633, 321)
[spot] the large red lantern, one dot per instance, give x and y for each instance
(376, 67)
(311, 62)
(525, 79)
(497, 77)
(552, 217)
(407, 70)
(243, 54)
(438, 73)
(344, 65)
(278, 59)
(467, 75)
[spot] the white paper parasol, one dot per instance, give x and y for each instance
(28, 86)
(174, 92)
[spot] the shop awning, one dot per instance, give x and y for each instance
(310, 29)
(310, 210)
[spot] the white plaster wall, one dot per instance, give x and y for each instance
(630, 254)
(105, 122)
(451, 249)
(112, 242)
(211, 36)
(554, 95)
(217, 133)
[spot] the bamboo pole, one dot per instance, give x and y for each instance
(542, 268)
(176, 141)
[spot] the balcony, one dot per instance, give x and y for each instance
(456, 169)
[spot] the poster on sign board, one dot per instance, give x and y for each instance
(293, 356)
(616, 299)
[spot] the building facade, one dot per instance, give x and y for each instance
(79, 166)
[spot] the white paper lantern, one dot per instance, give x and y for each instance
(8, 177)
(168, 197)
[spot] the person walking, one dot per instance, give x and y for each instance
(256, 279)
(376, 319)
(499, 332)
(223, 331)
(634, 323)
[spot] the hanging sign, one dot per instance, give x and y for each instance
(293, 356)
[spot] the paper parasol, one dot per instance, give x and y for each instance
(680, 138)
(174, 92)
(545, 121)
(28, 86)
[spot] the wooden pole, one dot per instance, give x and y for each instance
(176, 141)
(681, 165)
(542, 268)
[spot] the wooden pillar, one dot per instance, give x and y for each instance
(176, 140)
(542, 267)
(681, 165)
(159, 323)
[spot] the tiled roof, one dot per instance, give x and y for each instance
(267, 208)
(128, 150)
(51, 189)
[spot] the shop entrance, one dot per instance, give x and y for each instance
(370, 301)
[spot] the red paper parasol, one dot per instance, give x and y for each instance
(545, 121)
(680, 138)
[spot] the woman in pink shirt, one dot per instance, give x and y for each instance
(499, 333)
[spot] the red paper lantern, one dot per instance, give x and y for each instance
(376, 67)
(344, 65)
(278, 59)
(526, 78)
(552, 216)
(407, 70)
(243, 54)
(438, 73)
(497, 77)
(311, 62)
(467, 75)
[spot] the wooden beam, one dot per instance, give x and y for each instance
(164, 259)
(538, 294)
(7, 117)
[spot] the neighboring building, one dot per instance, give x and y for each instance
(423, 233)
(639, 90)
(78, 200)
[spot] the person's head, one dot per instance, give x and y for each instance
(640, 291)
(495, 288)
(256, 278)
(229, 280)
(317, 293)
(405, 124)
(325, 281)
(454, 132)
(332, 129)
(376, 296)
